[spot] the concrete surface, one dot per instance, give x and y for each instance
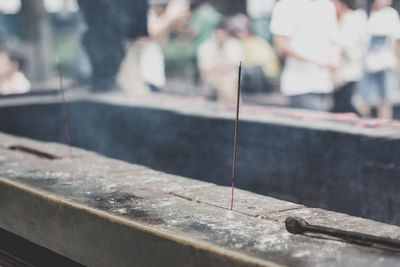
(104, 212)
(343, 164)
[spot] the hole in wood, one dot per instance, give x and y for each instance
(35, 152)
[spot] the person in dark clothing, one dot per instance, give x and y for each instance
(110, 23)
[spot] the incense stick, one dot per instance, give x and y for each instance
(236, 133)
(64, 106)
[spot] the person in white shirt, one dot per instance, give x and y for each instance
(352, 25)
(143, 69)
(12, 80)
(218, 59)
(306, 35)
(151, 62)
(379, 84)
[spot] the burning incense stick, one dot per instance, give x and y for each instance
(64, 106)
(236, 133)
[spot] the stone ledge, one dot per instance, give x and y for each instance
(102, 212)
(299, 157)
(96, 238)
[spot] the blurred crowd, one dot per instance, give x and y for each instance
(328, 55)
(197, 41)
(336, 56)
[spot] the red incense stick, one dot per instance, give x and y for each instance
(236, 133)
(64, 107)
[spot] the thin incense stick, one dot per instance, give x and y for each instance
(64, 106)
(236, 133)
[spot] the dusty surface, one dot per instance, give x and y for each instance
(186, 208)
(316, 159)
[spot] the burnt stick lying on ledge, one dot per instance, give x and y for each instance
(297, 225)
